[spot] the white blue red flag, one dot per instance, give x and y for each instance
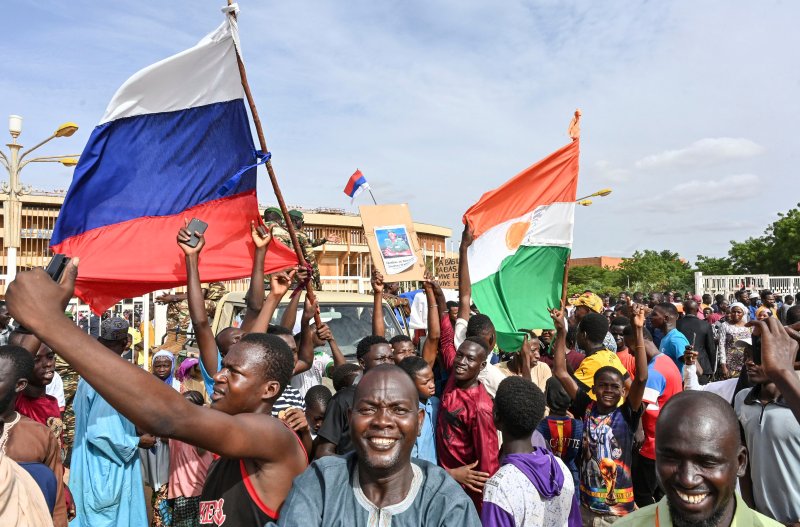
(174, 143)
(356, 185)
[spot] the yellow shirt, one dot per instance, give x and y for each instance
(657, 515)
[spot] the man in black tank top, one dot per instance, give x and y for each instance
(260, 454)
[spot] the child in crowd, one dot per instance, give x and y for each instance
(422, 375)
(606, 485)
(317, 398)
(188, 466)
(344, 376)
(532, 487)
(561, 433)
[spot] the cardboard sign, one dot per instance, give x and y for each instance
(393, 242)
(447, 273)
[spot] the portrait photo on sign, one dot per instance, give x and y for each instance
(395, 248)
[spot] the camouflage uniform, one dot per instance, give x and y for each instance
(178, 317)
(280, 233)
(70, 379)
(307, 245)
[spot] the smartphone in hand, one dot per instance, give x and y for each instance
(56, 266)
(195, 227)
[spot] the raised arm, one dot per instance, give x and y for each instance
(464, 284)
(636, 391)
(778, 352)
(278, 286)
(324, 333)
(197, 306)
(378, 325)
(431, 346)
(440, 300)
(305, 351)
(526, 355)
(290, 313)
(560, 355)
(254, 298)
(35, 301)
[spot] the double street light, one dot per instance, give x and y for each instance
(585, 201)
(12, 190)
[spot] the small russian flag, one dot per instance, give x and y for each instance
(356, 185)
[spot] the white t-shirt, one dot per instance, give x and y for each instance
(512, 491)
(304, 381)
(56, 389)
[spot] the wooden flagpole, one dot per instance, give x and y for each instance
(273, 179)
(574, 132)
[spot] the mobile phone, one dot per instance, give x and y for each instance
(756, 349)
(196, 227)
(56, 266)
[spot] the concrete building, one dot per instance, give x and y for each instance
(344, 266)
(611, 262)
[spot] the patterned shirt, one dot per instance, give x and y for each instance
(511, 498)
(290, 398)
(605, 466)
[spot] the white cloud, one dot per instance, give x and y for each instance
(704, 152)
(699, 194)
(607, 172)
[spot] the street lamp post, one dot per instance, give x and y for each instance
(13, 190)
(585, 201)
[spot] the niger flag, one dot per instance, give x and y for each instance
(523, 238)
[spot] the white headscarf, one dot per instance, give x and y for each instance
(744, 309)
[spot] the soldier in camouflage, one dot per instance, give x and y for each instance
(274, 219)
(307, 245)
(178, 318)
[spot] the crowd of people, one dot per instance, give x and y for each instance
(654, 409)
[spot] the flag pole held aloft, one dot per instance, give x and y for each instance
(522, 232)
(232, 10)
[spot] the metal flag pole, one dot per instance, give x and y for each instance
(372, 195)
(273, 179)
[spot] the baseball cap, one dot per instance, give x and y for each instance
(114, 328)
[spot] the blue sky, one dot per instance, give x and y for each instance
(689, 107)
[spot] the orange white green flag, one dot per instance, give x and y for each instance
(522, 240)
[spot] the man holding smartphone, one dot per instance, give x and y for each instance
(770, 484)
(260, 455)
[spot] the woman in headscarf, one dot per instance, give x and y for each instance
(190, 379)
(731, 358)
(155, 460)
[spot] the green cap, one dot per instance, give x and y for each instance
(296, 214)
(276, 210)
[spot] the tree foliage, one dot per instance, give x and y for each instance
(776, 253)
(714, 266)
(645, 271)
(650, 270)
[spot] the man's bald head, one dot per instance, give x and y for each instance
(690, 307)
(382, 376)
(385, 420)
(703, 409)
(699, 455)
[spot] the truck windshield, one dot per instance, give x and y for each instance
(349, 322)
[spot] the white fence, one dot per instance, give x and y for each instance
(729, 284)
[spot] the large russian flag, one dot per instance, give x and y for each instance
(174, 143)
(523, 238)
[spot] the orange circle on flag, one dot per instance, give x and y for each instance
(516, 233)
